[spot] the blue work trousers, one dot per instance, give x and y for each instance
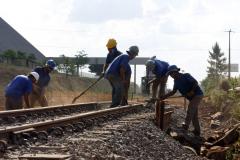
(117, 89)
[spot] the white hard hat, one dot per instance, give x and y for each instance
(150, 64)
(35, 75)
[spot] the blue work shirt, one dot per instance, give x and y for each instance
(44, 77)
(19, 86)
(120, 61)
(184, 85)
(161, 68)
(112, 55)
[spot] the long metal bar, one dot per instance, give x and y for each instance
(63, 120)
(42, 109)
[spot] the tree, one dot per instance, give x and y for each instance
(81, 60)
(31, 57)
(9, 55)
(217, 62)
(21, 55)
(96, 68)
(216, 69)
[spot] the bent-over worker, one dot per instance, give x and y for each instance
(159, 69)
(189, 88)
(116, 74)
(38, 93)
(20, 87)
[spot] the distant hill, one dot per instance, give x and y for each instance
(11, 39)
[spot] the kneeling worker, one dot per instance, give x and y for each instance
(21, 86)
(116, 74)
(190, 89)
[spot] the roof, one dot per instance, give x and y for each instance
(11, 39)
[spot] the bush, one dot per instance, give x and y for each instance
(236, 110)
(227, 102)
(224, 85)
(218, 98)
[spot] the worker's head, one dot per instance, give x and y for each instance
(173, 71)
(133, 52)
(150, 65)
(34, 76)
(112, 43)
(50, 65)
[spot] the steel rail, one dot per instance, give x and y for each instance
(70, 119)
(20, 112)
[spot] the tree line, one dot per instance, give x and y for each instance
(74, 66)
(69, 66)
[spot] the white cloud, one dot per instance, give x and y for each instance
(104, 10)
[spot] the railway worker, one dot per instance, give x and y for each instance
(38, 93)
(190, 89)
(159, 69)
(116, 74)
(20, 87)
(112, 54)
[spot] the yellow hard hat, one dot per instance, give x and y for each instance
(111, 43)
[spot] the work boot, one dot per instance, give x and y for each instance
(124, 102)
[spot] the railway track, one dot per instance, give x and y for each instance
(124, 135)
(40, 130)
(13, 117)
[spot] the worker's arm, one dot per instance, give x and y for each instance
(26, 99)
(105, 67)
(155, 87)
(168, 94)
(122, 74)
(127, 87)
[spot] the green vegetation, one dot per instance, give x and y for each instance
(81, 60)
(96, 68)
(71, 66)
(216, 69)
(19, 58)
(221, 91)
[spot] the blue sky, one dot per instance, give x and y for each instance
(180, 32)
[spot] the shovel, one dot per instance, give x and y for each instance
(74, 100)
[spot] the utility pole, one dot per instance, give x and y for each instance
(229, 53)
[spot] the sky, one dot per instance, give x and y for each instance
(181, 32)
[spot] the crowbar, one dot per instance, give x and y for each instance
(73, 101)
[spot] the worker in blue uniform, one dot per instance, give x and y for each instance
(159, 68)
(18, 89)
(118, 74)
(39, 89)
(189, 88)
